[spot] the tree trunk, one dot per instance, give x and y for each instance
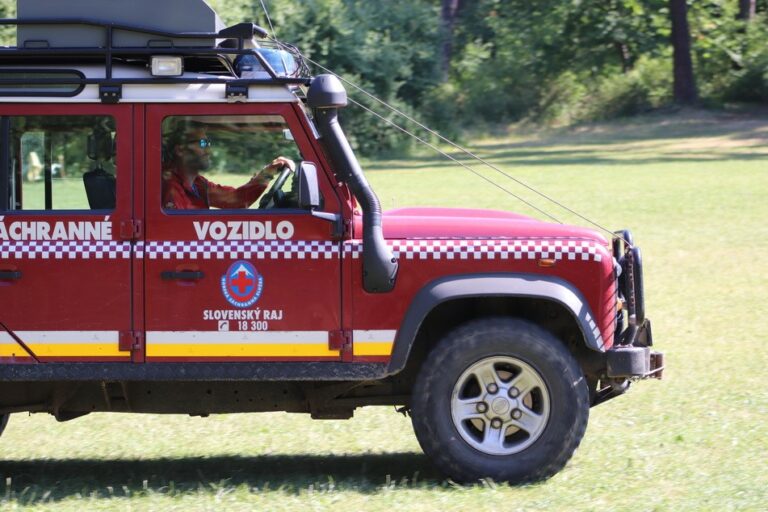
(625, 56)
(447, 21)
(684, 81)
(747, 9)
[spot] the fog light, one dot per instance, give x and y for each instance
(163, 65)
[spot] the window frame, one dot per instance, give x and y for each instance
(305, 144)
(122, 115)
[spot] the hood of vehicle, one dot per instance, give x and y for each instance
(405, 223)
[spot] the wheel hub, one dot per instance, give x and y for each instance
(501, 405)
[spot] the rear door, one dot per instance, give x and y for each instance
(65, 207)
(234, 282)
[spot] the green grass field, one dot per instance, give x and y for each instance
(691, 187)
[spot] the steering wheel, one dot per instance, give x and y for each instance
(276, 187)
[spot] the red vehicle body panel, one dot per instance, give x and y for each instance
(73, 300)
(311, 289)
(432, 243)
(300, 303)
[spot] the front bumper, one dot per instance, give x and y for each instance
(636, 360)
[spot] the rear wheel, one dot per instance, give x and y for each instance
(500, 398)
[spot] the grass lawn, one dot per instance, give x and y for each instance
(692, 188)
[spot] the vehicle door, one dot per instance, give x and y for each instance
(229, 274)
(65, 204)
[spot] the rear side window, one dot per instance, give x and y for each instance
(58, 163)
(40, 83)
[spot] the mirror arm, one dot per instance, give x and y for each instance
(335, 218)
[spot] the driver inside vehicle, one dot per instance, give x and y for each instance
(188, 154)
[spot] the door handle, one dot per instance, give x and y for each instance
(10, 275)
(184, 275)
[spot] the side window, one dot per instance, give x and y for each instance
(228, 162)
(58, 163)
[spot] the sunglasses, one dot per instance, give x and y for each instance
(203, 143)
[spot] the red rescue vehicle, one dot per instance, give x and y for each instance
(142, 269)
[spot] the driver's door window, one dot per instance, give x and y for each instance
(228, 162)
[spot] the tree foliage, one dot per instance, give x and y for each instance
(461, 64)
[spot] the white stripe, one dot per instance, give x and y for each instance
(68, 337)
(238, 337)
(6, 339)
(378, 336)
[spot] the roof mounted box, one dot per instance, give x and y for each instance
(161, 15)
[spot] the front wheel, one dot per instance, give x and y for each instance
(500, 398)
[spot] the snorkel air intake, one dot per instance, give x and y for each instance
(326, 96)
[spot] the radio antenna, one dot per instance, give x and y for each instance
(269, 20)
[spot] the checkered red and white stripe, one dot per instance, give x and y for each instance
(65, 250)
(432, 249)
(489, 249)
(260, 250)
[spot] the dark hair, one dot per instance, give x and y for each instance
(176, 129)
(175, 132)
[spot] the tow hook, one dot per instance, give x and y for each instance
(657, 365)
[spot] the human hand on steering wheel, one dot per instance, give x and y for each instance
(282, 164)
(269, 170)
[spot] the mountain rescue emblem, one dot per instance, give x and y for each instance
(242, 284)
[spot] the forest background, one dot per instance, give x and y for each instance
(469, 66)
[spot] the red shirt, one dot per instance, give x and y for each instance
(203, 194)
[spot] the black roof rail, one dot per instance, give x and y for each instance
(236, 35)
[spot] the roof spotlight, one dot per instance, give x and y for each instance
(165, 65)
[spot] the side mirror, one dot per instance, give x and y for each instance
(309, 190)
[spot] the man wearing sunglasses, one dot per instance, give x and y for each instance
(188, 153)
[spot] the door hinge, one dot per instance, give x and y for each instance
(130, 341)
(130, 229)
(348, 225)
(341, 341)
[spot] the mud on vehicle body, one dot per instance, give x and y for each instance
(496, 331)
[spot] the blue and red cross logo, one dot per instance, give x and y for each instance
(242, 284)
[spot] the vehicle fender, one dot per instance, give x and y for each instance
(492, 285)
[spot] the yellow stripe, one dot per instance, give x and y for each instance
(361, 348)
(372, 348)
(73, 350)
(250, 350)
(12, 350)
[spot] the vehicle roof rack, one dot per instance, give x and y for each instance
(232, 43)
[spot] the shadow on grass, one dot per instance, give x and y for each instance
(36, 481)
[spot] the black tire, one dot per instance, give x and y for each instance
(493, 339)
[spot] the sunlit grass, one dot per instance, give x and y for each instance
(693, 191)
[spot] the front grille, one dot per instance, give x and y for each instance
(630, 287)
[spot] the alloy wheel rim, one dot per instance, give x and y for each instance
(500, 405)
